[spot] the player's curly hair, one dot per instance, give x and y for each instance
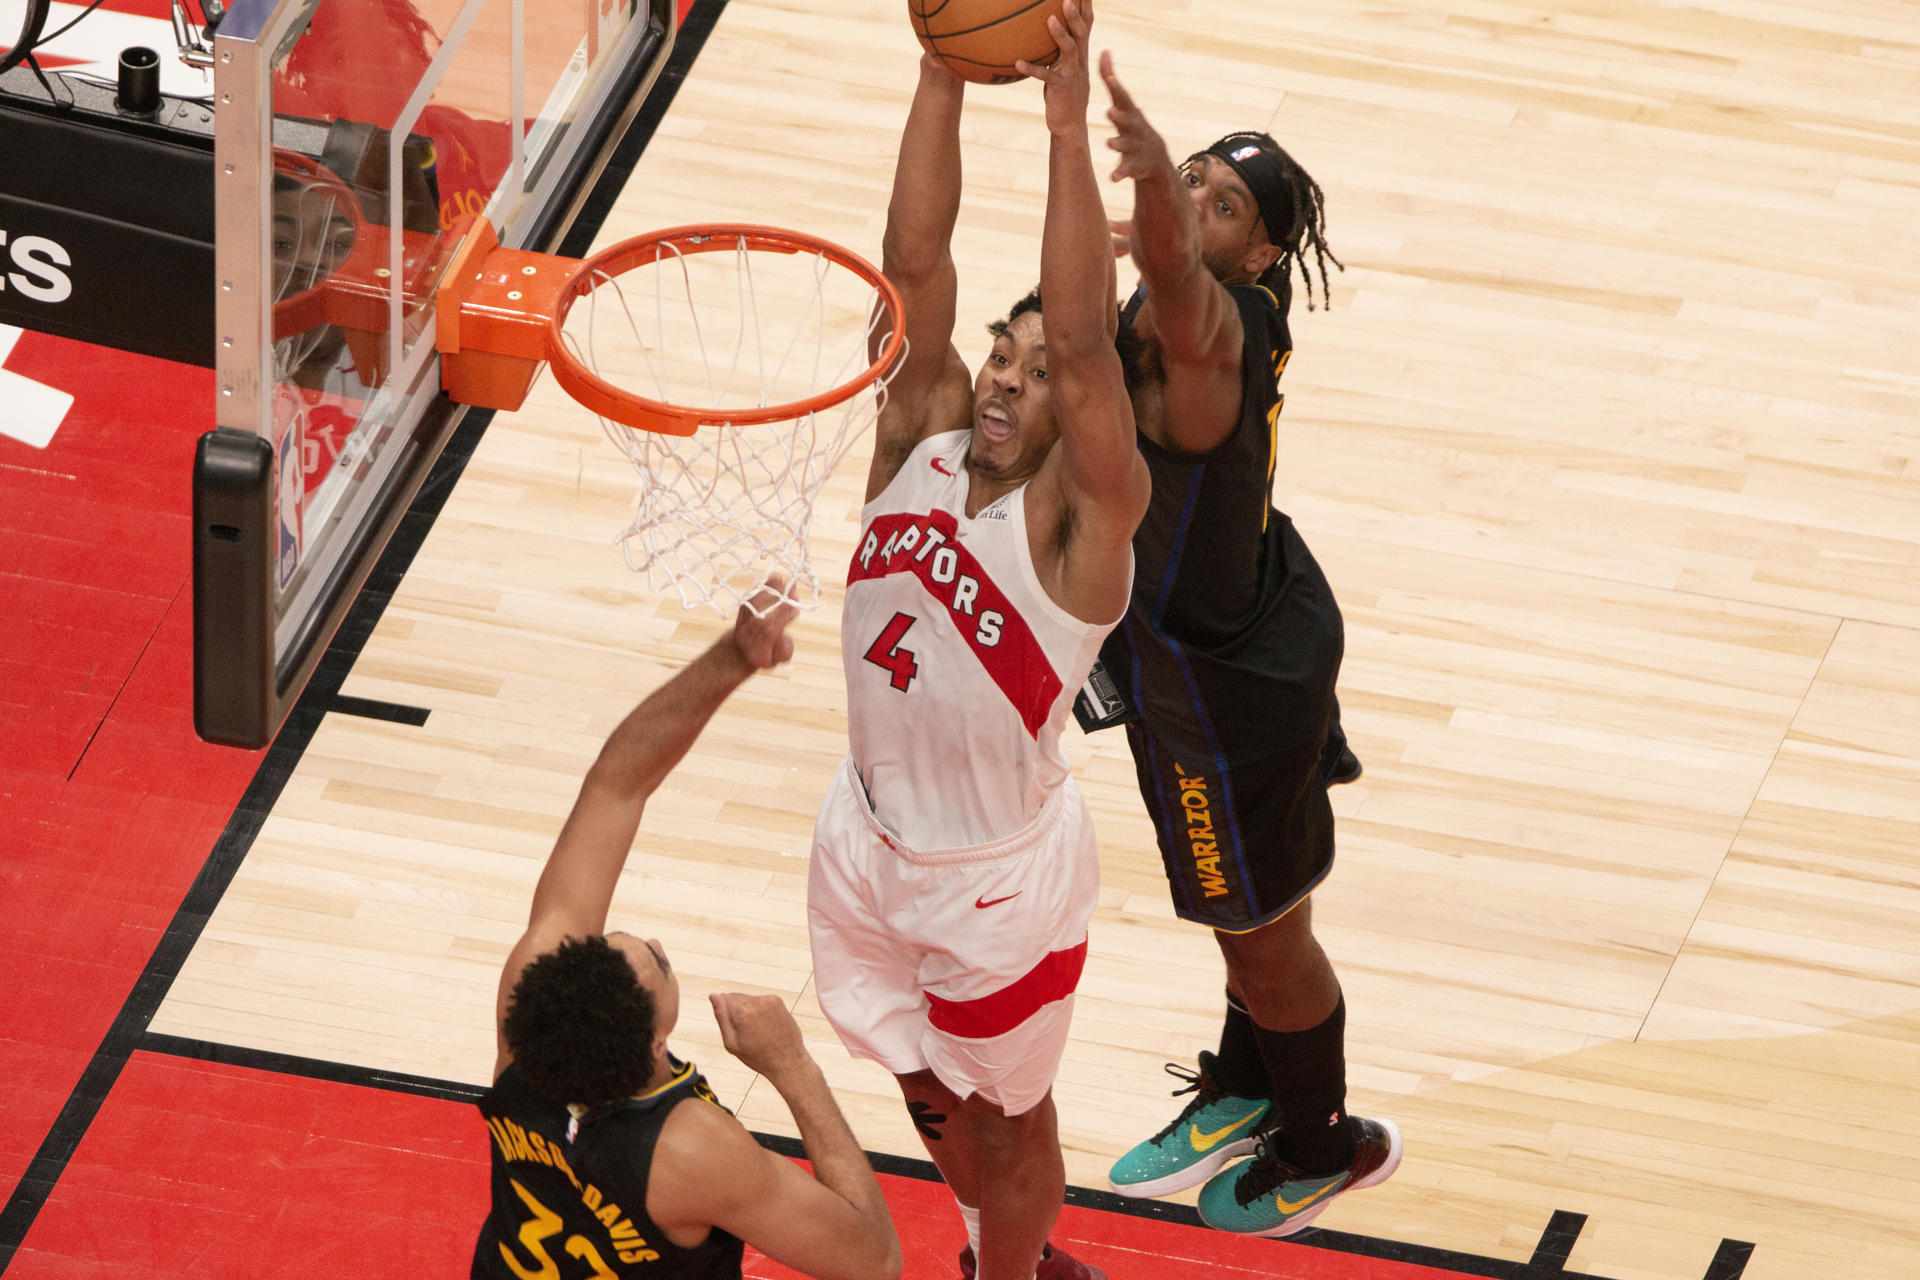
(580, 1026)
(1126, 340)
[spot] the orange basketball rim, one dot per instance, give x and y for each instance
(500, 313)
(731, 453)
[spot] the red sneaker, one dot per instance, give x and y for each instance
(1055, 1264)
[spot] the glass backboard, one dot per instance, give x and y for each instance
(355, 142)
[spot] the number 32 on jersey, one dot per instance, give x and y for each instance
(545, 1223)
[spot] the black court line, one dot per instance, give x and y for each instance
(373, 709)
(1556, 1242)
(1562, 1226)
(1730, 1260)
(129, 1029)
(287, 1064)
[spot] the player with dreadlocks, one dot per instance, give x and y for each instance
(1224, 671)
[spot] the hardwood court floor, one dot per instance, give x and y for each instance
(1608, 447)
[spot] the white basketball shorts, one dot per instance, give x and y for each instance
(958, 961)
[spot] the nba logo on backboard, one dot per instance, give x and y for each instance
(290, 482)
(1245, 153)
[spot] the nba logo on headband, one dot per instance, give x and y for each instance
(1245, 153)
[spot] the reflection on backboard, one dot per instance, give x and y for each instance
(370, 132)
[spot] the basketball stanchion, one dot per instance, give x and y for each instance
(763, 353)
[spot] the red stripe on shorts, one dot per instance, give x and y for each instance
(1054, 978)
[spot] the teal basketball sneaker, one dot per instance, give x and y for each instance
(1265, 1196)
(1214, 1128)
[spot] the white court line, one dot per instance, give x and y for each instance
(30, 411)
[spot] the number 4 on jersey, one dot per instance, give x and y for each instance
(886, 653)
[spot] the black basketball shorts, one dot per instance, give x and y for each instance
(1242, 844)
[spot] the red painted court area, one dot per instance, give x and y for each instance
(108, 802)
(196, 1169)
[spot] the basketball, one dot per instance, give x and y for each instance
(980, 40)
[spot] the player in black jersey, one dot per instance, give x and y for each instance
(1228, 655)
(611, 1158)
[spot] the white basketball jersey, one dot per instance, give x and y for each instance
(960, 669)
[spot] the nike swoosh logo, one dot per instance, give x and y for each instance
(983, 903)
(1294, 1206)
(1208, 1141)
(941, 467)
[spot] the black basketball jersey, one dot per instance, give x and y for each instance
(1232, 640)
(570, 1197)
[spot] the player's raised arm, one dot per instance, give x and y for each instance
(1192, 316)
(576, 886)
(832, 1224)
(1104, 477)
(917, 256)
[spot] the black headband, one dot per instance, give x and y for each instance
(1261, 164)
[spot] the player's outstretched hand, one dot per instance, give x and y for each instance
(760, 629)
(760, 1032)
(1142, 150)
(1067, 83)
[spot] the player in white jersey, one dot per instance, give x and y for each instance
(954, 870)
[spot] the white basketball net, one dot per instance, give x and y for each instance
(722, 509)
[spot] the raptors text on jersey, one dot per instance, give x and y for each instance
(960, 668)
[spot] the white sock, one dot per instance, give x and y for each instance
(972, 1218)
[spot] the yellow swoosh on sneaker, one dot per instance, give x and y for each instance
(1208, 1141)
(1294, 1206)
